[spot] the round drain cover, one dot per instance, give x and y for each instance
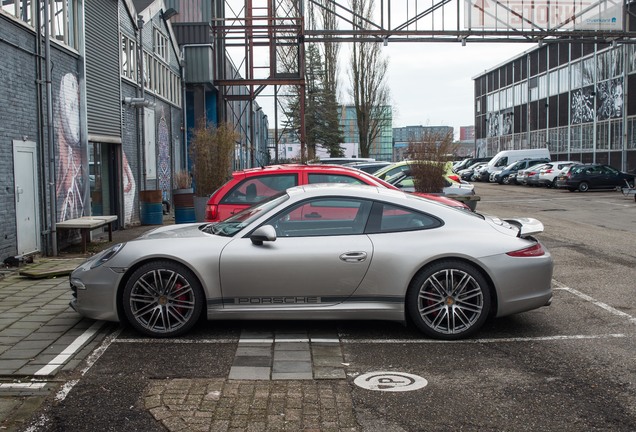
(390, 381)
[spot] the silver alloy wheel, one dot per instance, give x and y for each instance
(161, 301)
(450, 301)
(583, 186)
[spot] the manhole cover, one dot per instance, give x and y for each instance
(390, 381)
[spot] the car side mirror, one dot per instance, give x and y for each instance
(263, 234)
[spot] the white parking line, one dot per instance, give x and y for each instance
(23, 386)
(90, 361)
(70, 350)
(484, 341)
(592, 300)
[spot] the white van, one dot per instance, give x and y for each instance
(506, 157)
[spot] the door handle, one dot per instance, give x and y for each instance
(353, 256)
(18, 191)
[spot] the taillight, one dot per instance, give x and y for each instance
(211, 212)
(534, 250)
(548, 171)
(454, 178)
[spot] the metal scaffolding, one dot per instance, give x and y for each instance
(266, 38)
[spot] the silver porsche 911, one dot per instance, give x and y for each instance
(323, 252)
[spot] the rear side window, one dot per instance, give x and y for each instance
(255, 189)
(333, 178)
(387, 218)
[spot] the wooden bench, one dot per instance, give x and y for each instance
(88, 223)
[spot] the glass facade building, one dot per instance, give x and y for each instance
(569, 97)
(382, 147)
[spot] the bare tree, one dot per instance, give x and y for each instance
(429, 160)
(368, 81)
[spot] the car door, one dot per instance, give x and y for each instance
(319, 260)
(610, 177)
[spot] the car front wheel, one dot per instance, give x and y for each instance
(583, 187)
(449, 300)
(163, 299)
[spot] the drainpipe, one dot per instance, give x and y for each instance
(50, 129)
(42, 153)
(141, 92)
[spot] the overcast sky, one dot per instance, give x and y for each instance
(432, 84)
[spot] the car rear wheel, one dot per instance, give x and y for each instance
(505, 180)
(163, 299)
(449, 300)
(583, 187)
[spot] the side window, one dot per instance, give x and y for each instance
(333, 178)
(388, 218)
(323, 217)
(393, 171)
(255, 189)
(502, 162)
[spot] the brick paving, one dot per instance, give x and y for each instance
(219, 405)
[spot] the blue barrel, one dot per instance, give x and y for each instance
(184, 215)
(151, 212)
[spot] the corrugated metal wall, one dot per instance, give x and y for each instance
(102, 68)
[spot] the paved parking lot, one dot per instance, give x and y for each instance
(566, 367)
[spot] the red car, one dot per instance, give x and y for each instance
(253, 185)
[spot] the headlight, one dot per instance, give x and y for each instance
(106, 255)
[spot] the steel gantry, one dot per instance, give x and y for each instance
(260, 43)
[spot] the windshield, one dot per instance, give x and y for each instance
(236, 223)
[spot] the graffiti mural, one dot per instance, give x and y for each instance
(582, 106)
(164, 158)
(130, 190)
(71, 188)
(507, 123)
(610, 99)
(492, 124)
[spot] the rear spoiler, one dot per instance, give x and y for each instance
(527, 226)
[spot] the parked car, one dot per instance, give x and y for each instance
(504, 176)
(462, 191)
(323, 252)
(250, 186)
(481, 174)
(548, 175)
(467, 174)
(522, 175)
(594, 176)
(368, 167)
(468, 162)
(396, 167)
(532, 175)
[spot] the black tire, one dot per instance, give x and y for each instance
(163, 299)
(505, 180)
(438, 304)
(584, 187)
(553, 184)
(572, 189)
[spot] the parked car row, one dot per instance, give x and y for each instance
(251, 186)
(570, 175)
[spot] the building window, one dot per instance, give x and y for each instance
(128, 58)
(554, 82)
(602, 133)
(575, 76)
(62, 23)
(564, 81)
(161, 45)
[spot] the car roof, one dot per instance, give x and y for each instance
(292, 168)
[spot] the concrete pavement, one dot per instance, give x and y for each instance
(40, 335)
(277, 381)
